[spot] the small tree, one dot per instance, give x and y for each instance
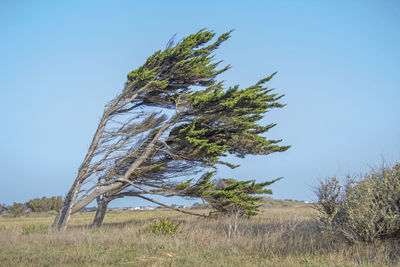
(17, 209)
(171, 121)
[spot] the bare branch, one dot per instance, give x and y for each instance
(172, 208)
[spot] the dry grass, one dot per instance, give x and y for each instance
(280, 236)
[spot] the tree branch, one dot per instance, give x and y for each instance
(172, 208)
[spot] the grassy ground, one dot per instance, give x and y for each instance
(282, 235)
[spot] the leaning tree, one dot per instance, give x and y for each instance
(172, 121)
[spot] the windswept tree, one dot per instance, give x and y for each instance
(170, 123)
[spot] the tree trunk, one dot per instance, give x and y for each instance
(63, 216)
(62, 219)
(102, 204)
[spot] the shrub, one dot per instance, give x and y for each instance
(366, 209)
(162, 227)
(17, 209)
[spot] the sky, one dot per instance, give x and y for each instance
(338, 65)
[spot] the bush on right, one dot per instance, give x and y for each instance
(362, 210)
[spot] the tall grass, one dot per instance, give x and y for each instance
(280, 236)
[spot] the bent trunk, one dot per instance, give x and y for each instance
(62, 219)
(102, 204)
(64, 214)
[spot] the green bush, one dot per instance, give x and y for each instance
(17, 209)
(30, 229)
(366, 209)
(162, 227)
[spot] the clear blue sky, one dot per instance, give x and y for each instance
(338, 64)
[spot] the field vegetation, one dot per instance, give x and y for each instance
(285, 233)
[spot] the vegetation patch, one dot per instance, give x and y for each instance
(30, 229)
(162, 227)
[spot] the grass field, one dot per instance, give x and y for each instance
(282, 235)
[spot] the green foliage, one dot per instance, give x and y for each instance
(220, 121)
(217, 121)
(17, 209)
(30, 229)
(162, 227)
(227, 121)
(364, 210)
(45, 204)
(213, 121)
(170, 72)
(228, 196)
